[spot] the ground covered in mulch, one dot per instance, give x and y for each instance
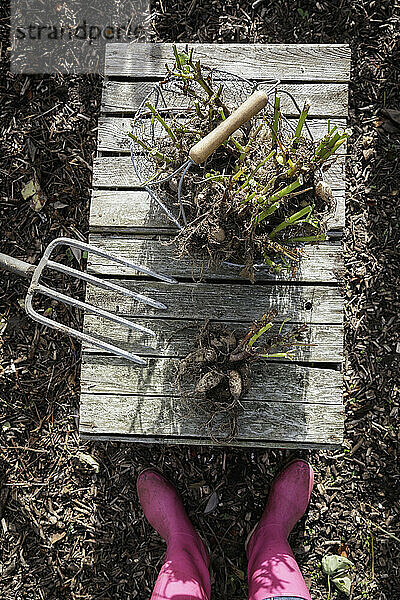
(71, 529)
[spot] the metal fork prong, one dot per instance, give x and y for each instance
(122, 261)
(83, 337)
(46, 291)
(106, 285)
(132, 265)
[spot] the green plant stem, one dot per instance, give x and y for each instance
(262, 192)
(267, 212)
(272, 264)
(294, 167)
(329, 144)
(309, 238)
(278, 196)
(300, 124)
(152, 151)
(295, 218)
(332, 150)
(163, 123)
(177, 57)
(259, 333)
(257, 168)
(383, 530)
(249, 144)
(201, 81)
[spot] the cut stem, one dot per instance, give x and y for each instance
(150, 150)
(163, 123)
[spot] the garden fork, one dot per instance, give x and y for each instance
(34, 273)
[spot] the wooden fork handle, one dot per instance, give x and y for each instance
(205, 147)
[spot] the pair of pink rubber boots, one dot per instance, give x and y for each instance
(272, 569)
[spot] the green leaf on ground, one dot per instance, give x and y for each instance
(343, 584)
(32, 190)
(337, 567)
(334, 565)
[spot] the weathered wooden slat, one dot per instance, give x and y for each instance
(175, 338)
(181, 441)
(113, 132)
(117, 172)
(133, 211)
(270, 381)
(327, 99)
(321, 263)
(260, 424)
(287, 62)
(226, 302)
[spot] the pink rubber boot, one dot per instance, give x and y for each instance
(184, 574)
(272, 569)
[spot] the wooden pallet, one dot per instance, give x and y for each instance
(289, 405)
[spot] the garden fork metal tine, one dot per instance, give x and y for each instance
(106, 285)
(28, 270)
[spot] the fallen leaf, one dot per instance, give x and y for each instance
(334, 565)
(89, 460)
(238, 572)
(29, 189)
(212, 503)
(56, 537)
(337, 567)
(77, 252)
(33, 191)
(343, 550)
(343, 584)
(368, 153)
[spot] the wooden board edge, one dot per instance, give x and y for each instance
(206, 442)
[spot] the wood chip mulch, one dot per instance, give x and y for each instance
(71, 526)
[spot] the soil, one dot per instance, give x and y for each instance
(71, 529)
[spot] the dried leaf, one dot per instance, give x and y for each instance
(89, 460)
(368, 153)
(212, 503)
(392, 114)
(238, 572)
(56, 537)
(77, 252)
(343, 550)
